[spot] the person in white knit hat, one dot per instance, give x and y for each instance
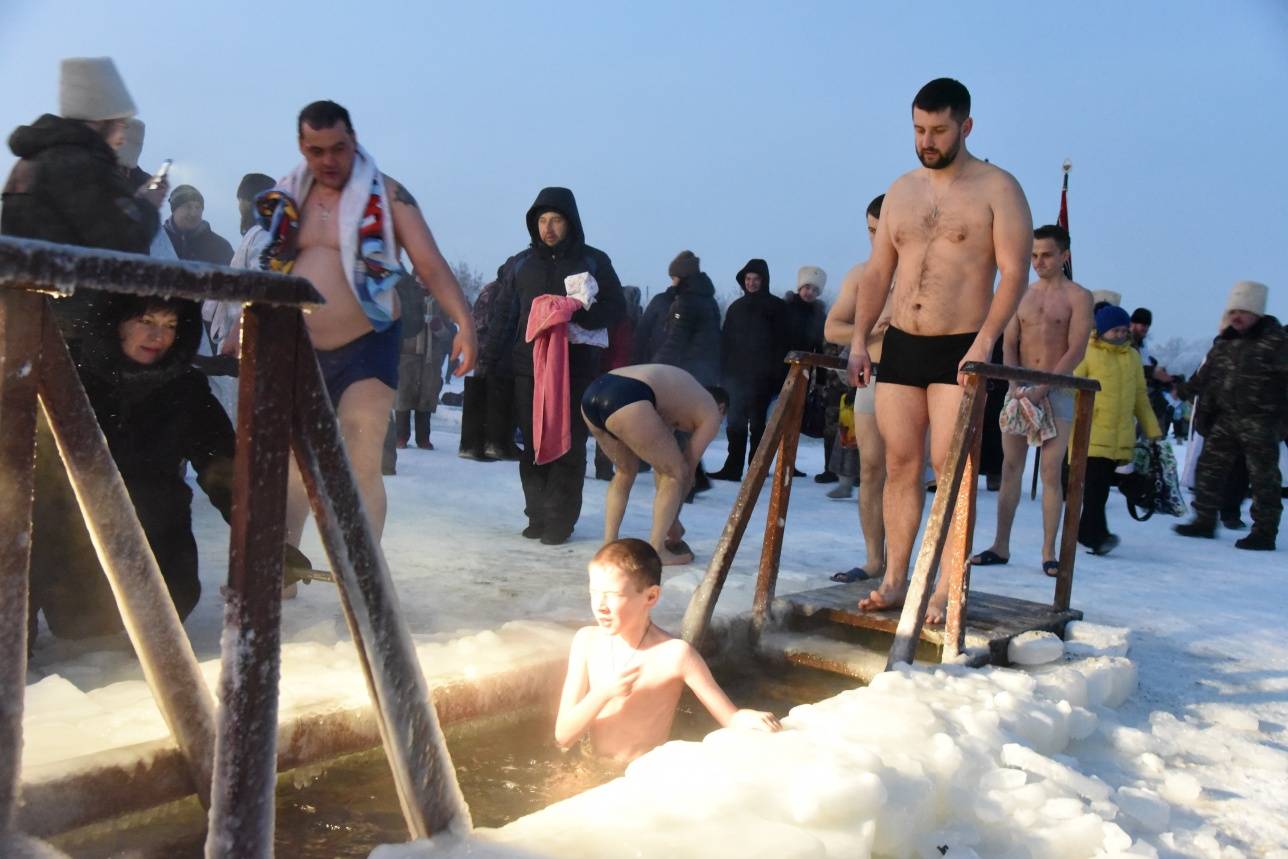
(67, 186)
(1243, 386)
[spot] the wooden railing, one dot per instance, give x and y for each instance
(283, 408)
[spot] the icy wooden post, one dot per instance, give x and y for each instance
(242, 802)
(1084, 400)
(776, 520)
(428, 792)
(154, 628)
(921, 583)
(698, 614)
(960, 536)
(20, 316)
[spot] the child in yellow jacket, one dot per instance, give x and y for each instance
(1121, 402)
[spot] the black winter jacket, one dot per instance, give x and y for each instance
(681, 327)
(540, 270)
(199, 245)
(156, 418)
(753, 342)
(1244, 375)
(68, 188)
(805, 320)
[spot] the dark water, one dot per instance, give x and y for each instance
(507, 767)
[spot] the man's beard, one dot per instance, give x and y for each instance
(945, 158)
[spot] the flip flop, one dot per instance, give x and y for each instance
(988, 558)
(678, 547)
(854, 574)
(1051, 568)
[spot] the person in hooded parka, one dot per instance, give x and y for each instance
(158, 415)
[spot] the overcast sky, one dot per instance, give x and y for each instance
(735, 129)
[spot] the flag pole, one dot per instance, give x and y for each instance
(1063, 220)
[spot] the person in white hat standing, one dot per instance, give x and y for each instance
(67, 186)
(1243, 384)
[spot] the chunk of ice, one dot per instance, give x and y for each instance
(1181, 788)
(1145, 807)
(1034, 648)
(1026, 759)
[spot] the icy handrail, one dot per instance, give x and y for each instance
(62, 269)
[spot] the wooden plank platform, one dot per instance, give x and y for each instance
(991, 620)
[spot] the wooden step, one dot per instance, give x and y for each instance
(991, 620)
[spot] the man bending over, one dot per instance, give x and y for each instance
(634, 413)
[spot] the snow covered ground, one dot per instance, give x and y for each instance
(1206, 619)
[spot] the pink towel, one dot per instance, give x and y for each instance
(551, 415)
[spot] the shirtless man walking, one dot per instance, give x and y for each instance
(946, 230)
(634, 412)
(1049, 333)
(356, 332)
(839, 329)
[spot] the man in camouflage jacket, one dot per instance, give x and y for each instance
(1242, 387)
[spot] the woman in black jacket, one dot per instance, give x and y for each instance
(158, 415)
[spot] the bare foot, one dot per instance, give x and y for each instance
(937, 611)
(673, 559)
(290, 591)
(885, 597)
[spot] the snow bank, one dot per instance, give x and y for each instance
(62, 726)
(923, 762)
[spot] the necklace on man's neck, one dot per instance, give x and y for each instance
(634, 652)
(325, 211)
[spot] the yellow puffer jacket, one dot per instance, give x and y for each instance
(1121, 397)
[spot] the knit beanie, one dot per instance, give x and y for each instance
(127, 154)
(1142, 316)
(254, 184)
(1099, 295)
(811, 274)
(91, 89)
(1110, 317)
(754, 266)
(185, 194)
(1248, 295)
(685, 264)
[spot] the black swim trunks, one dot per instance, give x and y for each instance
(609, 393)
(922, 360)
(374, 355)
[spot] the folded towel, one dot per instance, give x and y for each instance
(1022, 416)
(551, 413)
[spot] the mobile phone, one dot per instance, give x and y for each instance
(159, 178)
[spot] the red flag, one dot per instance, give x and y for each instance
(1063, 218)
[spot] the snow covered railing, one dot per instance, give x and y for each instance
(283, 409)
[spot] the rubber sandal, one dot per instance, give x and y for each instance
(1051, 568)
(678, 547)
(854, 574)
(989, 558)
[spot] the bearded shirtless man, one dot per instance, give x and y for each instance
(359, 363)
(839, 329)
(1049, 333)
(946, 230)
(634, 413)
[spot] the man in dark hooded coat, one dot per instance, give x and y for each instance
(558, 250)
(753, 346)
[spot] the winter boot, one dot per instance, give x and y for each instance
(844, 488)
(1258, 541)
(1199, 526)
(473, 411)
(422, 431)
(825, 476)
(402, 422)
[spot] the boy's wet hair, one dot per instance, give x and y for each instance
(874, 208)
(636, 558)
(719, 394)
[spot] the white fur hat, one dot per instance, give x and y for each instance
(127, 154)
(1248, 295)
(1114, 298)
(811, 274)
(91, 88)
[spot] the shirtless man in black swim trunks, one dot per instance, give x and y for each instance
(634, 412)
(946, 230)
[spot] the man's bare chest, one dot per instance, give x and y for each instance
(957, 223)
(319, 223)
(1045, 310)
